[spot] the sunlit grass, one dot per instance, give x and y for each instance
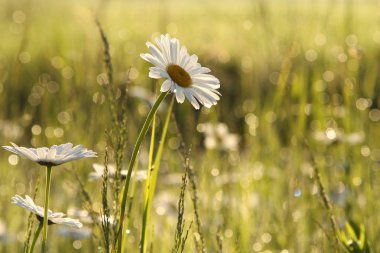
(298, 79)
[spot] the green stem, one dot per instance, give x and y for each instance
(136, 149)
(36, 235)
(46, 207)
(151, 183)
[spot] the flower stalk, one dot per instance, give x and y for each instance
(140, 138)
(152, 180)
(46, 207)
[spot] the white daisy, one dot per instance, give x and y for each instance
(218, 136)
(53, 218)
(184, 75)
(76, 234)
(53, 156)
(97, 174)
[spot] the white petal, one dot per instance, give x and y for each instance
(167, 85)
(164, 44)
(51, 154)
(63, 148)
(180, 96)
(204, 98)
(174, 50)
(157, 72)
(183, 56)
(191, 98)
(200, 70)
(156, 52)
(205, 78)
(208, 92)
(190, 62)
(150, 58)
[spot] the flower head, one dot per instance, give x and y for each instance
(52, 156)
(53, 218)
(184, 75)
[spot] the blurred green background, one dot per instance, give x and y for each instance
(292, 72)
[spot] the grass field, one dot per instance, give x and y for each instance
(300, 98)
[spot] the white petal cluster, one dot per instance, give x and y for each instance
(55, 218)
(98, 172)
(55, 155)
(169, 52)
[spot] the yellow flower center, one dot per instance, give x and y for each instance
(179, 75)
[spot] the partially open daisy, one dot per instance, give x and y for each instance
(184, 75)
(53, 218)
(53, 156)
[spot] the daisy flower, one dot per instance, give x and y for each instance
(53, 218)
(52, 156)
(76, 234)
(97, 174)
(184, 75)
(218, 136)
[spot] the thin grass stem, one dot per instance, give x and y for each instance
(36, 235)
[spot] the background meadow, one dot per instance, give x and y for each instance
(300, 88)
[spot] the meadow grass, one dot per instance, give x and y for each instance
(299, 84)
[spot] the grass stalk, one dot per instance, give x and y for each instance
(181, 234)
(201, 248)
(136, 149)
(31, 219)
(328, 206)
(106, 211)
(36, 235)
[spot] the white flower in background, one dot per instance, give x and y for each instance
(80, 214)
(218, 136)
(184, 75)
(53, 218)
(76, 234)
(141, 175)
(335, 135)
(52, 156)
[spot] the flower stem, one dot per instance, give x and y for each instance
(46, 208)
(136, 149)
(152, 180)
(36, 235)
